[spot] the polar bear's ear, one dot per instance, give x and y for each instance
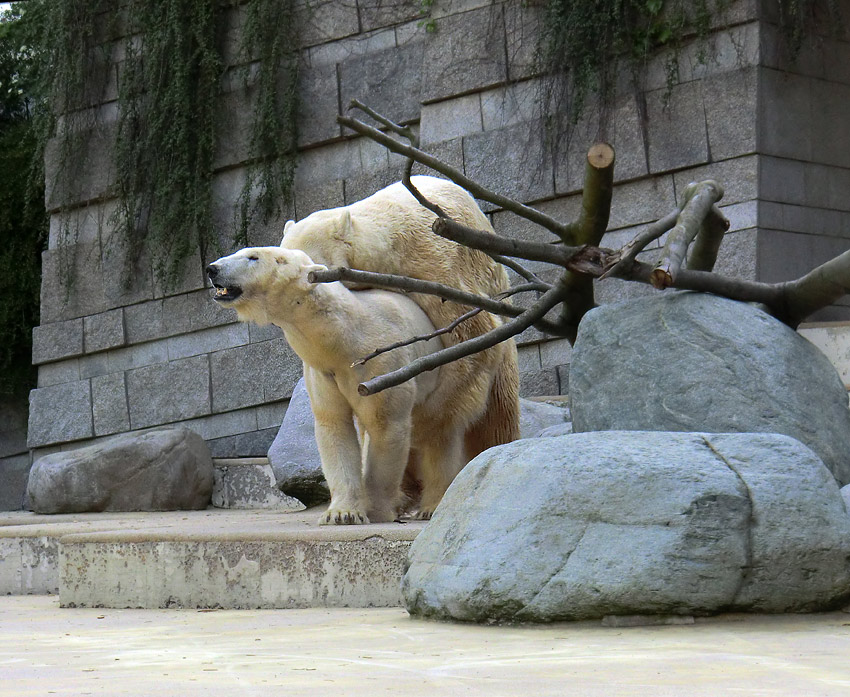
(345, 221)
(288, 226)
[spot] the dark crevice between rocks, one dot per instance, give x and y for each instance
(745, 489)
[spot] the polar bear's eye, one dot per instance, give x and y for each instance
(253, 257)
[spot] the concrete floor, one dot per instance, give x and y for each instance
(45, 650)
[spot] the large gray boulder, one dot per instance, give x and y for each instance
(160, 470)
(624, 523)
(536, 417)
(294, 455)
(697, 362)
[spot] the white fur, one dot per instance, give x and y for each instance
(330, 327)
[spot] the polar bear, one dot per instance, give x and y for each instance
(330, 327)
(390, 232)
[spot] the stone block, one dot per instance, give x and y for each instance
(193, 311)
(320, 165)
(326, 20)
(253, 374)
(450, 119)
(250, 444)
(207, 341)
(56, 373)
(360, 45)
(738, 255)
(104, 331)
(80, 225)
(168, 392)
(375, 14)
(127, 278)
(388, 81)
(642, 201)
(14, 473)
(511, 161)
(522, 31)
(318, 104)
(231, 423)
(555, 352)
(139, 356)
(187, 276)
(271, 415)
(829, 137)
(317, 196)
(740, 178)
(88, 176)
(144, 322)
(60, 413)
(57, 340)
(71, 283)
(92, 366)
(465, 53)
(109, 404)
(677, 128)
(538, 383)
(785, 119)
(256, 333)
(511, 105)
(731, 113)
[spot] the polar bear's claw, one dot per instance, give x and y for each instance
(336, 517)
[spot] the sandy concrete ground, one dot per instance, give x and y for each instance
(45, 650)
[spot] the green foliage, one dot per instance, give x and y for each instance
(590, 43)
(167, 131)
(269, 36)
(22, 218)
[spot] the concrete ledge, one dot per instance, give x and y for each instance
(200, 559)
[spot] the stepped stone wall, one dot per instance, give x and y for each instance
(118, 353)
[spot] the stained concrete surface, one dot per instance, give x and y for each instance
(45, 650)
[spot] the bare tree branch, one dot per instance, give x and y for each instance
(699, 199)
(466, 348)
(703, 254)
(456, 176)
(422, 337)
(625, 258)
(495, 244)
(820, 287)
(414, 285)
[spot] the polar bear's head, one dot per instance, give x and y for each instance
(259, 282)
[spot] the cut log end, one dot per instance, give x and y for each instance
(660, 278)
(600, 156)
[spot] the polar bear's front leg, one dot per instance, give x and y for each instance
(385, 455)
(339, 450)
(442, 459)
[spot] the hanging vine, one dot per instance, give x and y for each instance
(269, 37)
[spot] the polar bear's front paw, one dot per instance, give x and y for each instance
(423, 514)
(341, 516)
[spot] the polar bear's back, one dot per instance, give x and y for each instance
(390, 232)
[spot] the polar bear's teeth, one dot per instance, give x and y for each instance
(220, 291)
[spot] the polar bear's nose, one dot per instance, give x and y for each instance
(212, 271)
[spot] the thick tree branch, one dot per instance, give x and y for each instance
(466, 348)
(820, 287)
(456, 176)
(699, 199)
(625, 258)
(596, 196)
(703, 254)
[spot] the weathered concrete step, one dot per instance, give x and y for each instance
(212, 558)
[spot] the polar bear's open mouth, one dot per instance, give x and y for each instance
(226, 294)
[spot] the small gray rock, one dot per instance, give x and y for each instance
(160, 470)
(536, 416)
(630, 523)
(696, 362)
(294, 455)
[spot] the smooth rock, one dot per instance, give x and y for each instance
(160, 470)
(294, 455)
(535, 416)
(696, 362)
(630, 523)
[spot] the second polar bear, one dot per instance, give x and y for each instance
(330, 328)
(390, 232)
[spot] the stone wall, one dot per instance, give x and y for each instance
(118, 354)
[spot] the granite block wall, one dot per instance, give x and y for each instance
(117, 352)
